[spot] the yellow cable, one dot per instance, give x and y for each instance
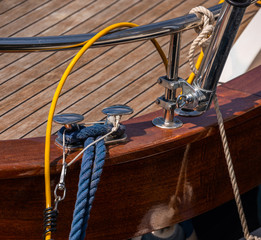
(197, 65)
(154, 41)
(161, 53)
(56, 96)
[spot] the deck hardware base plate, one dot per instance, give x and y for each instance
(160, 122)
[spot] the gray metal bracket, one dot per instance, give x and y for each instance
(165, 104)
(168, 84)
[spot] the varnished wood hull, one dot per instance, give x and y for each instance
(159, 177)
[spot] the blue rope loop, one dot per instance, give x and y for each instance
(91, 169)
(78, 136)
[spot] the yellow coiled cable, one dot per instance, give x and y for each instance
(87, 44)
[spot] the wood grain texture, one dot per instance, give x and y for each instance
(158, 178)
(124, 74)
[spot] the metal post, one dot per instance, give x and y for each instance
(225, 31)
(172, 74)
(215, 57)
(169, 120)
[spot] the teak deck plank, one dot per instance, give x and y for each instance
(7, 6)
(28, 80)
(19, 11)
(42, 12)
(22, 94)
(91, 84)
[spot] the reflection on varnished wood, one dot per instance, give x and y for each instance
(158, 178)
(162, 215)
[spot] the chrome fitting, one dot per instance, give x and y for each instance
(70, 122)
(114, 114)
(165, 104)
(168, 84)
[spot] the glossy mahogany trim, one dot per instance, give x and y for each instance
(238, 99)
(157, 179)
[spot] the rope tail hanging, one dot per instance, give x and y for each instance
(232, 174)
(203, 41)
(91, 170)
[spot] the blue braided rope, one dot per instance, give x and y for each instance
(78, 136)
(95, 179)
(83, 191)
(88, 183)
(94, 131)
(81, 134)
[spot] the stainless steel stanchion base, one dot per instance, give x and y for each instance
(160, 122)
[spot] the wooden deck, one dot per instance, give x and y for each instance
(124, 74)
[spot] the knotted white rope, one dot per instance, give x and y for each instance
(232, 173)
(204, 31)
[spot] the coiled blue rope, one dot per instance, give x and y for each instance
(81, 133)
(91, 169)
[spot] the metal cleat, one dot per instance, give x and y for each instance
(70, 122)
(114, 114)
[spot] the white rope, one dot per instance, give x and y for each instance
(232, 173)
(203, 40)
(205, 31)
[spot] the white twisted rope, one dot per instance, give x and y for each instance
(205, 31)
(232, 173)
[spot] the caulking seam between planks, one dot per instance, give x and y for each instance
(132, 50)
(74, 87)
(54, 52)
(96, 14)
(12, 7)
(10, 22)
(68, 16)
(57, 9)
(50, 70)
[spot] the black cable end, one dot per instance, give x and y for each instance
(239, 3)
